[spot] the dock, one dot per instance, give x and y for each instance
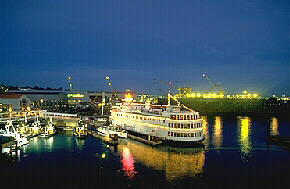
(140, 139)
(106, 140)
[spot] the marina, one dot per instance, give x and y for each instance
(240, 142)
(144, 94)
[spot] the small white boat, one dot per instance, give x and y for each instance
(110, 130)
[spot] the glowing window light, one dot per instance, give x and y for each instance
(75, 95)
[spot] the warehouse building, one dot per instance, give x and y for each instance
(14, 102)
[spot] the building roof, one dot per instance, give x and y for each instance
(10, 95)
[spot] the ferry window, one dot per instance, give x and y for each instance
(141, 118)
(188, 116)
(181, 117)
(177, 117)
(178, 125)
(168, 133)
(174, 134)
(173, 117)
(184, 117)
(175, 125)
(177, 134)
(186, 126)
(163, 121)
(169, 124)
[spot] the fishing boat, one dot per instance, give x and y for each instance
(48, 130)
(81, 131)
(174, 124)
(10, 131)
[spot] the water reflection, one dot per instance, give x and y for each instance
(244, 133)
(217, 136)
(205, 127)
(48, 143)
(274, 126)
(128, 163)
(80, 143)
(176, 162)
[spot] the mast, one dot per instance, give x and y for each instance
(168, 98)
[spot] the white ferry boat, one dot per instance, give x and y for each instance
(167, 123)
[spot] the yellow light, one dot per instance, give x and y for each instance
(41, 100)
(198, 95)
(245, 92)
(255, 95)
(107, 77)
(75, 95)
(128, 97)
(103, 155)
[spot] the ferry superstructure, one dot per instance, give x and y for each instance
(168, 123)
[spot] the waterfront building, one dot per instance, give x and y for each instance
(13, 102)
(53, 99)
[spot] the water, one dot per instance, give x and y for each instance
(235, 155)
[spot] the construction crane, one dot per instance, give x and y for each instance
(217, 86)
(181, 90)
(168, 83)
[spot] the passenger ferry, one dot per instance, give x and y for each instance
(167, 123)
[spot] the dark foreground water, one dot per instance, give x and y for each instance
(235, 155)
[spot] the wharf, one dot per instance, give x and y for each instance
(106, 140)
(140, 139)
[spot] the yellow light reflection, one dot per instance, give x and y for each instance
(244, 127)
(274, 126)
(217, 137)
(205, 131)
(175, 163)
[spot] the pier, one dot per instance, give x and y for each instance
(143, 140)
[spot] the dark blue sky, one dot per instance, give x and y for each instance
(242, 44)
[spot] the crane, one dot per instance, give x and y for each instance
(214, 85)
(169, 83)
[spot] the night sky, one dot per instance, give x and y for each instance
(241, 43)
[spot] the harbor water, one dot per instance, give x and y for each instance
(235, 154)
